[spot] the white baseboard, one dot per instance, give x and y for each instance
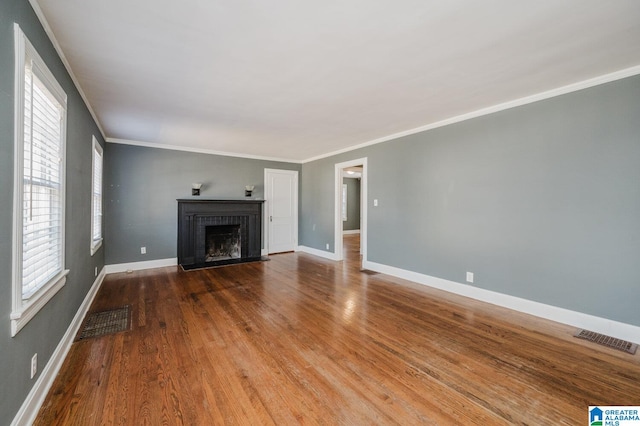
(137, 266)
(565, 316)
(321, 253)
(351, 231)
(31, 405)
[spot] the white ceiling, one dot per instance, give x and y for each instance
(295, 80)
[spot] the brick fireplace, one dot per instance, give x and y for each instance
(218, 232)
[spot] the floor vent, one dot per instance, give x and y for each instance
(106, 322)
(608, 341)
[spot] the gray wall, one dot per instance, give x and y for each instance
(142, 185)
(43, 333)
(317, 199)
(540, 202)
(353, 204)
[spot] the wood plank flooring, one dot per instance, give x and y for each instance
(301, 340)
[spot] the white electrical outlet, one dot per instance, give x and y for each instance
(327, 246)
(143, 250)
(469, 277)
(34, 365)
(95, 272)
(375, 203)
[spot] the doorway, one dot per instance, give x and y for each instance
(340, 171)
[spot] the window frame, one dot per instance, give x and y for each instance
(96, 243)
(344, 202)
(23, 310)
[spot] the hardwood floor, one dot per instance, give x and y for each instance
(301, 340)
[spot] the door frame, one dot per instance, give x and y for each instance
(338, 249)
(267, 206)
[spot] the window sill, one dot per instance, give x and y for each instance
(20, 317)
(95, 246)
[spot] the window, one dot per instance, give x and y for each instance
(96, 197)
(344, 202)
(40, 127)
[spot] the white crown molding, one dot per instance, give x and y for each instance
(565, 316)
(574, 87)
(58, 48)
(198, 150)
(32, 403)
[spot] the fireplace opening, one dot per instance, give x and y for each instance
(222, 242)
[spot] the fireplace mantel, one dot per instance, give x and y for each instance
(196, 213)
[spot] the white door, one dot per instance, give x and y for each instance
(281, 193)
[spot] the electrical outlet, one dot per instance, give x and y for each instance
(34, 365)
(143, 250)
(469, 277)
(95, 272)
(375, 203)
(327, 246)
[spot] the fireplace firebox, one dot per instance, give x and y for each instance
(222, 242)
(218, 232)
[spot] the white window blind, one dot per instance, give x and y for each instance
(42, 210)
(96, 201)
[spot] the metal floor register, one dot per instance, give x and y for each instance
(106, 322)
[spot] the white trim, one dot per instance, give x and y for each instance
(198, 150)
(56, 46)
(351, 231)
(138, 266)
(21, 315)
(95, 244)
(265, 217)
(18, 171)
(95, 247)
(32, 403)
(337, 219)
(320, 253)
(576, 319)
(574, 87)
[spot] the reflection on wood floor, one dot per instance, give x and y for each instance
(300, 339)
